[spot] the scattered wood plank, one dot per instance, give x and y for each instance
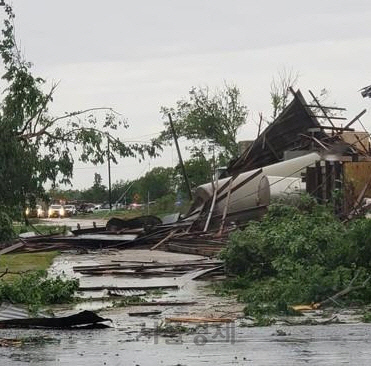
(12, 248)
(166, 238)
(101, 288)
(134, 274)
(101, 267)
(199, 320)
(164, 303)
(145, 313)
(199, 274)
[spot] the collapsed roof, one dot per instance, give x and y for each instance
(296, 128)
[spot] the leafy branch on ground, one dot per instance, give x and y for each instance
(35, 290)
(299, 255)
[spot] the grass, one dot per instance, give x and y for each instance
(42, 229)
(23, 262)
(106, 215)
(114, 213)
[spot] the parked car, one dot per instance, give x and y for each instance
(56, 211)
(38, 211)
(106, 207)
(86, 208)
(70, 210)
(136, 206)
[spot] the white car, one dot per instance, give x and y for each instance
(56, 211)
(70, 210)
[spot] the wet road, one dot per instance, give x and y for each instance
(313, 345)
(73, 221)
(132, 342)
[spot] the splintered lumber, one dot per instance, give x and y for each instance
(143, 239)
(130, 261)
(163, 303)
(145, 313)
(134, 274)
(101, 288)
(199, 274)
(167, 237)
(103, 267)
(356, 118)
(12, 248)
(209, 251)
(199, 320)
(215, 194)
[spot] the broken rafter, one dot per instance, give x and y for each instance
(316, 129)
(101, 288)
(162, 241)
(356, 118)
(325, 107)
(327, 117)
(321, 108)
(315, 140)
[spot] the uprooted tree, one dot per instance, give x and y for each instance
(36, 147)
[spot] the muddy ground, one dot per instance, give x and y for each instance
(134, 341)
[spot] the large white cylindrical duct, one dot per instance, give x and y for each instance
(282, 187)
(257, 187)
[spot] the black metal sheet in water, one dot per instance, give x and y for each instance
(82, 320)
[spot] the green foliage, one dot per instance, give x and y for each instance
(366, 317)
(199, 171)
(158, 182)
(208, 118)
(36, 147)
(35, 289)
(296, 255)
(6, 228)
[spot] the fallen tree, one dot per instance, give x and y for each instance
(300, 255)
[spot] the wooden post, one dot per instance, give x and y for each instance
(180, 158)
(225, 211)
(212, 204)
(109, 175)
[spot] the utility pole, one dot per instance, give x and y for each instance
(109, 175)
(180, 158)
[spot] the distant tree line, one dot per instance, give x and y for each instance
(158, 183)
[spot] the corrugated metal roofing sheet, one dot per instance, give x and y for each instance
(9, 311)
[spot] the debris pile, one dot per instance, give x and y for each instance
(189, 270)
(296, 153)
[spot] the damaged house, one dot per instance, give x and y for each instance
(303, 150)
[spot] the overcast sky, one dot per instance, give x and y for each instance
(137, 56)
